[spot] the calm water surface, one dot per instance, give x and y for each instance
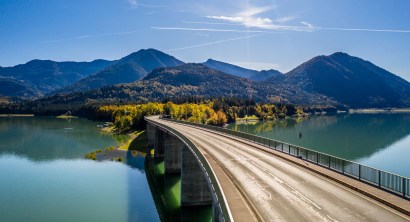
(43, 176)
(377, 140)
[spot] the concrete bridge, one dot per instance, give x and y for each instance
(245, 181)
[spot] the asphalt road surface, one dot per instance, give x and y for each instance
(282, 191)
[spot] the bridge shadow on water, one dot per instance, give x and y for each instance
(165, 191)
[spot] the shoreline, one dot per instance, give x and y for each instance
(135, 145)
(16, 115)
(393, 110)
(66, 117)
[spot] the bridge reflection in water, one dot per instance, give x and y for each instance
(166, 191)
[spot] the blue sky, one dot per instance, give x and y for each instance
(259, 34)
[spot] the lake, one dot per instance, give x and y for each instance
(44, 176)
(379, 140)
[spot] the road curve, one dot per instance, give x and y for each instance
(282, 191)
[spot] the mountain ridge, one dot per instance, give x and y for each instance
(186, 80)
(240, 71)
(350, 80)
(127, 69)
(44, 76)
(148, 74)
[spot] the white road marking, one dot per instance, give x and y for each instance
(332, 218)
(293, 190)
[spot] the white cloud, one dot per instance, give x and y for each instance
(249, 18)
(307, 24)
(285, 19)
(255, 11)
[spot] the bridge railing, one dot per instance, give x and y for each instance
(384, 180)
(217, 193)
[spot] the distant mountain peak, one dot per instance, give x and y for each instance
(130, 68)
(349, 80)
(340, 54)
(240, 71)
(213, 60)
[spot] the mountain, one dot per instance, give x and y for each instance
(241, 72)
(128, 69)
(349, 80)
(185, 80)
(338, 80)
(266, 74)
(10, 87)
(39, 77)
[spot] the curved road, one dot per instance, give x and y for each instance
(281, 191)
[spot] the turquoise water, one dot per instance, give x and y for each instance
(166, 190)
(43, 176)
(378, 140)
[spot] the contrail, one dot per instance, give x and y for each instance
(91, 36)
(211, 23)
(364, 30)
(210, 30)
(211, 43)
(278, 28)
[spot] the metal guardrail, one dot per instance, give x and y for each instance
(212, 180)
(384, 180)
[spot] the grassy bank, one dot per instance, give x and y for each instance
(16, 115)
(248, 118)
(66, 117)
(136, 145)
(138, 142)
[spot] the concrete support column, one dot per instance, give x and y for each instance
(194, 187)
(173, 154)
(159, 143)
(216, 212)
(151, 134)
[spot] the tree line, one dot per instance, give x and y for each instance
(213, 112)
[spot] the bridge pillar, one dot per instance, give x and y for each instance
(216, 212)
(159, 143)
(173, 154)
(194, 187)
(151, 134)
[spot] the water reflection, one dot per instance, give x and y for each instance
(351, 136)
(49, 138)
(73, 190)
(166, 191)
(45, 178)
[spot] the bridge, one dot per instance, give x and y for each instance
(246, 180)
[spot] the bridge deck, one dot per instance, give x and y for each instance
(279, 190)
